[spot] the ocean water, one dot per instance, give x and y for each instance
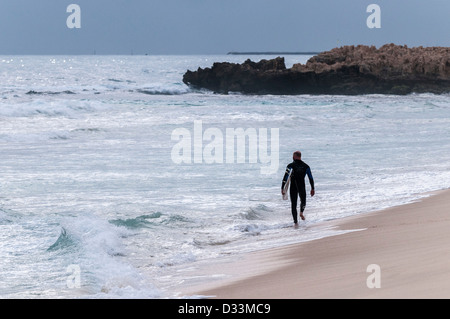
(114, 175)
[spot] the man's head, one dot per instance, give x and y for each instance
(297, 155)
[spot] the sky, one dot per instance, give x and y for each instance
(216, 26)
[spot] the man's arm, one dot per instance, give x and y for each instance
(311, 180)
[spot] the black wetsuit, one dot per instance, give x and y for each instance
(297, 186)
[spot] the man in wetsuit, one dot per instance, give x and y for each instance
(297, 184)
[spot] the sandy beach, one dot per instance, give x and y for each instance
(400, 252)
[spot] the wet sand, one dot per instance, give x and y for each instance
(400, 252)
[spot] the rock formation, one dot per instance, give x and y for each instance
(350, 70)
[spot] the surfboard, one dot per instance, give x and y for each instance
(286, 185)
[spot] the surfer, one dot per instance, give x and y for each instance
(297, 184)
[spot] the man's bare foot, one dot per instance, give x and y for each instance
(296, 225)
(302, 217)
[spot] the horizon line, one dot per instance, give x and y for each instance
(274, 53)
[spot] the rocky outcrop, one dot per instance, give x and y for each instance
(390, 69)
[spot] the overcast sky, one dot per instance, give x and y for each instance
(216, 26)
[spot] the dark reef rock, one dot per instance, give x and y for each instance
(349, 70)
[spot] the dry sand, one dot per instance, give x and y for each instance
(410, 244)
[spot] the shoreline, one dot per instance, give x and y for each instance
(409, 244)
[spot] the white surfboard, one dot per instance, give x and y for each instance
(286, 185)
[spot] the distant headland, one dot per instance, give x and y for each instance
(272, 53)
(348, 70)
